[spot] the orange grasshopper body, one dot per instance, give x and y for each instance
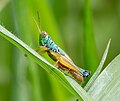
(65, 64)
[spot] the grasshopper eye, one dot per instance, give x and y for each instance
(43, 34)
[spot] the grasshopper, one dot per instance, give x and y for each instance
(62, 60)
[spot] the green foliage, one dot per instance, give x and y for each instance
(82, 36)
(90, 51)
(104, 87)
(107, 86)
(96, 74)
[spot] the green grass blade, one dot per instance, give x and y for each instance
(79, 89)
(107, 85)
(75, 88)
(97, 72)
(90, 51)
(20, 23)
(35, 82)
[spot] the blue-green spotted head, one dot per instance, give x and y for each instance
(43, 38)
(46, 41)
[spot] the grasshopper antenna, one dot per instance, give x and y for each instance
(37, 24)
(38, 19)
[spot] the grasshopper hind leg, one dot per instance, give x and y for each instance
(76, 75)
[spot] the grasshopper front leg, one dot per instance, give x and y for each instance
(44, 50)
(56, 63)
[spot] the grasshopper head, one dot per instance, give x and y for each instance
(43, 34)
(43, 38)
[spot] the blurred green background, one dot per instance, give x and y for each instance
(23, 80)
